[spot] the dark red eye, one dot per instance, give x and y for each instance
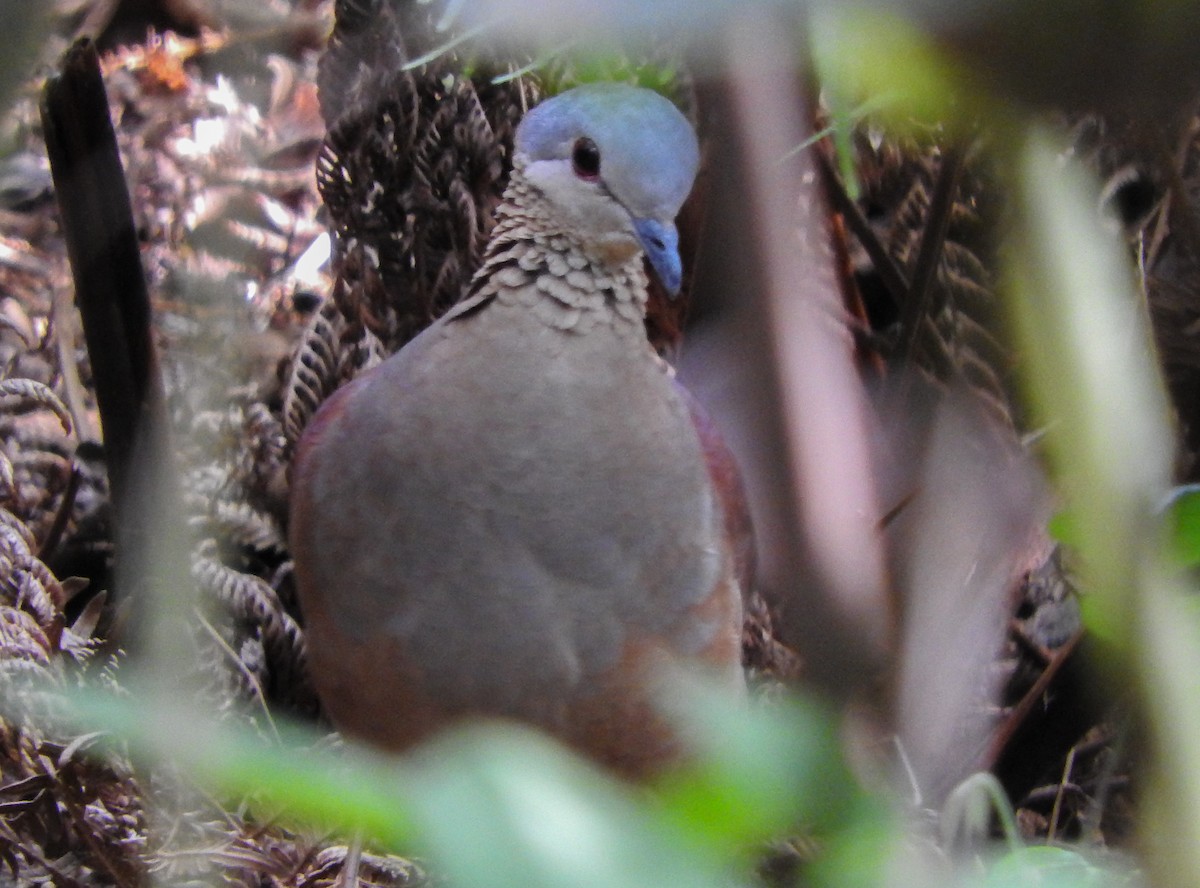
(585, 158)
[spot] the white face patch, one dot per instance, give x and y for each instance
(601, 225)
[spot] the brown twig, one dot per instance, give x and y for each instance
(916, 303)
(1016, 717)
(1178, 206)
(889, 272)
(61, 517)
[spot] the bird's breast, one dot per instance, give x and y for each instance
(516, 505)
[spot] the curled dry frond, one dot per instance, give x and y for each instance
(264, 452)
(64, 800)
(23, 640)
(8, 480)
(954, 342)
(331, 352)
(314, 374)
(36, 590)
(414, 161)
(242, 524)
(15, 534)
(254, 602)
(290, 860)
(28, 587)
(20, 393)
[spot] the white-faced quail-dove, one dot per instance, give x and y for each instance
(520, 514)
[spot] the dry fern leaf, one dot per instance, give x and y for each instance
(331, 353)
(10, 522)
(252, 600)
(241, 524)
(313, 375)
(23, 642)
(18, 393)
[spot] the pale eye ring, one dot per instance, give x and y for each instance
(585, 159)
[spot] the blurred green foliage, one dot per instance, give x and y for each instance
(23, 30)
(498, 805)
(1183, 515)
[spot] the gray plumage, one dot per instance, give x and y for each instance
(513, 516)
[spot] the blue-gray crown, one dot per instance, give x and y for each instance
(648, 150)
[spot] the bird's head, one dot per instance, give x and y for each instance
(614, 163)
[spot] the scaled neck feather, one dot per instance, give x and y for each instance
(531, 261)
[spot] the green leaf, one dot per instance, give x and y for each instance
(1183, 515)
(1049, 866)
(1064, 527)
(489, 805)
(864, 53)
(1090, 366)
(760, 770)
(502, 806)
